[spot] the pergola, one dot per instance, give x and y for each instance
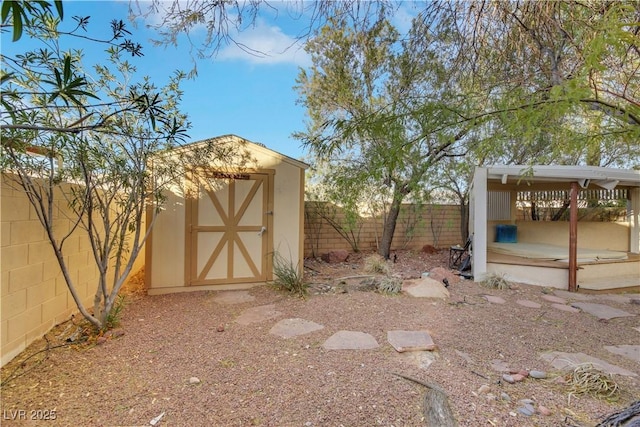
(543, 178)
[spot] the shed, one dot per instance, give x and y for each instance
(221, 232)
(592, 256)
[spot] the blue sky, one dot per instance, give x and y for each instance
(234, 92)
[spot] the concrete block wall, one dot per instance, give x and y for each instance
(34, 296)
(436, 225)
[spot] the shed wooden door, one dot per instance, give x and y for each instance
(229, 219)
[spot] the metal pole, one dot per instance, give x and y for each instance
(573, 238)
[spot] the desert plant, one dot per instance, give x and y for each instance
(390, 286)
(113, 318)
(288, 276)
(586, 379)
(496, 281)
(376, 264)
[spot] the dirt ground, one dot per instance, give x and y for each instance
(184, 360)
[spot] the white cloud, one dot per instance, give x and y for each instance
(265, 44)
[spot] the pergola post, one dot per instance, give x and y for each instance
(573, 238)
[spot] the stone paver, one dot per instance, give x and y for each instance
(257, 314)
(494, 299)
(564, 307)
(421, 359)
(410, 341)
(629, 351)
(561, 360)
(288, 328)
(527, 303)
(573, 295)
(350, 340)
(552, 298)
(624, 299)
(425, 288)
(601, 311)
(233, 297)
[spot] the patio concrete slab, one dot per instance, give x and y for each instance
(629, 351)
(257, 314)
(425, 288)
(233, 297)
(561, 360)
(410, 341)
(350, 340)
(601, 311)
(288, 328)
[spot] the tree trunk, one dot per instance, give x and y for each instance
(389, 226)
(464, 220)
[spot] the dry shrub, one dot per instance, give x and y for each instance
(586, 379)
(376, 264)
(496, 281)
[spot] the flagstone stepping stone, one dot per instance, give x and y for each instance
(552, 298)
(573, 295)
(425, 288)
(410, 341)
(421, 359)
(288, 328)
(564, 307)
(561, 360)
(601, 311)
(494, 299)
(527, 303)
(624, 299)
(258, 314)
(350, 340)
(233, 297)
(629, 351)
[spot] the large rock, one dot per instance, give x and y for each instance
(335, 257)
(425, 288)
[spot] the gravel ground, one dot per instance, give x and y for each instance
(249, 377)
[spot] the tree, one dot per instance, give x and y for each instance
(559, 74)
(90, 141)
(376, 113)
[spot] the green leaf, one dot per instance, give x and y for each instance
(17, 21)
(58, 4)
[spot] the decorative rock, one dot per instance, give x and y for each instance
(526, 411)
(504, 396)
(194, 380)
(525, 402)
(484, 388)
(517, 377)
(491, 397)
(543, 410)
(508, 378)
(539, 375)
(101, 340)
(335, 257)
(220, 328)
(425, 288)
